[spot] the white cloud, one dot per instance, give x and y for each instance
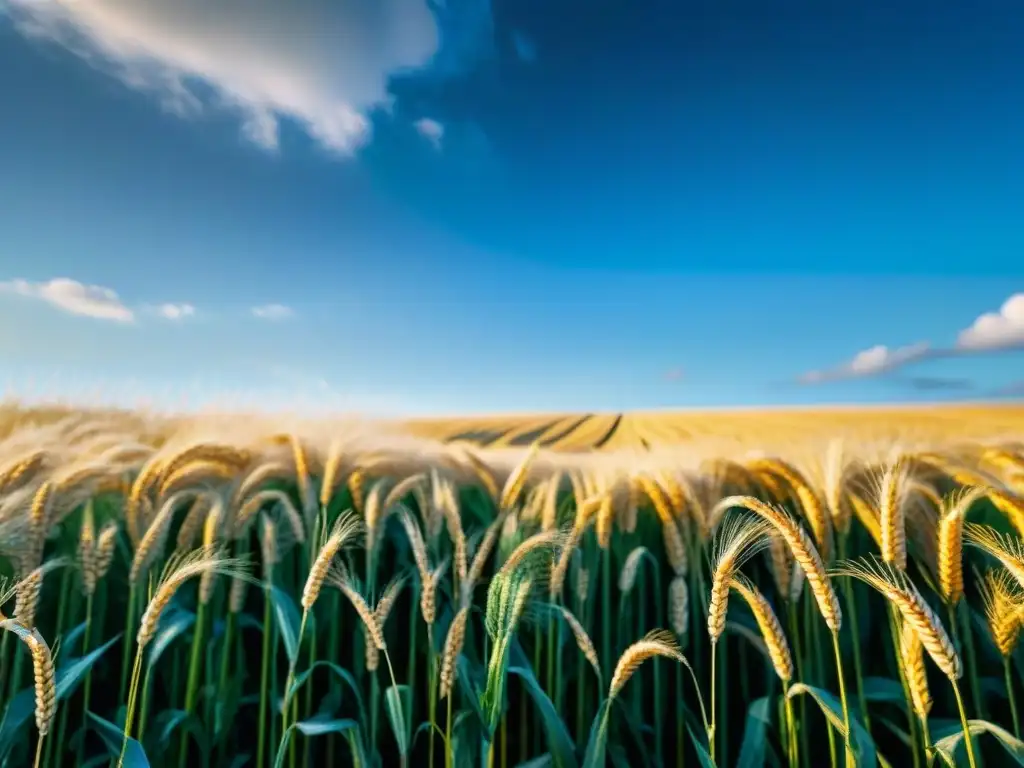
(74, 297)
(320, 63)
(996, 330)
(431, 130)
(875, 361)
(176, 311)
(272, 312)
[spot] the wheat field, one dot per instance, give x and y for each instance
(787, 588)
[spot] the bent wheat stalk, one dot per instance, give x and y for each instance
(810, 562)
(897, 588)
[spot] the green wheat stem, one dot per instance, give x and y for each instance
(723, 704)
(606, 605)
(926, 737)
(309, 702)
(554, 625)
(1008, 680)
(374, 704)
(130, 712)
(431, 692)
(658, 621)
(911, 720)
(288, 705)
(821, 673)
(968, 740)
(264, 675)
(225, 664)
(972, 661)
(794, 632)
(791, 741)
(680, 732)
(714, 694)
(334, 640)
(581, 685)
(192, 686)
(849, 594)
(524, 732)
(449, 755)
(404, 758)
(87, 684)
(144, 705)
(638, 690)
(62, 715)
(842, 697)
(129, 638)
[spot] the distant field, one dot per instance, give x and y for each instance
(607, 432)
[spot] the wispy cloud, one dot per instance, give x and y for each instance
(74, 298)
(176, 311)
(321, 64)
(875, 361)
(991, 332)
(431, 130)
(272, 312)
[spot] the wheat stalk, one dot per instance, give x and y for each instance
(803, 552)
(897, 588)
(739, 539)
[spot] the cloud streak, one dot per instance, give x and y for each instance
(74, 298)
(876, 361)
(272, 312)
(320, 64)
(990, 332)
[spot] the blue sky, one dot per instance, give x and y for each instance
(396, 207)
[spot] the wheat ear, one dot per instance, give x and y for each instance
(738, 539)
(452, 648)
(768, 623)
(951, 544)
(583, 641)
(659, 642)
(912, 659)
(344, 531)
(897, 588)
(1007, 550)
(803, 550)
